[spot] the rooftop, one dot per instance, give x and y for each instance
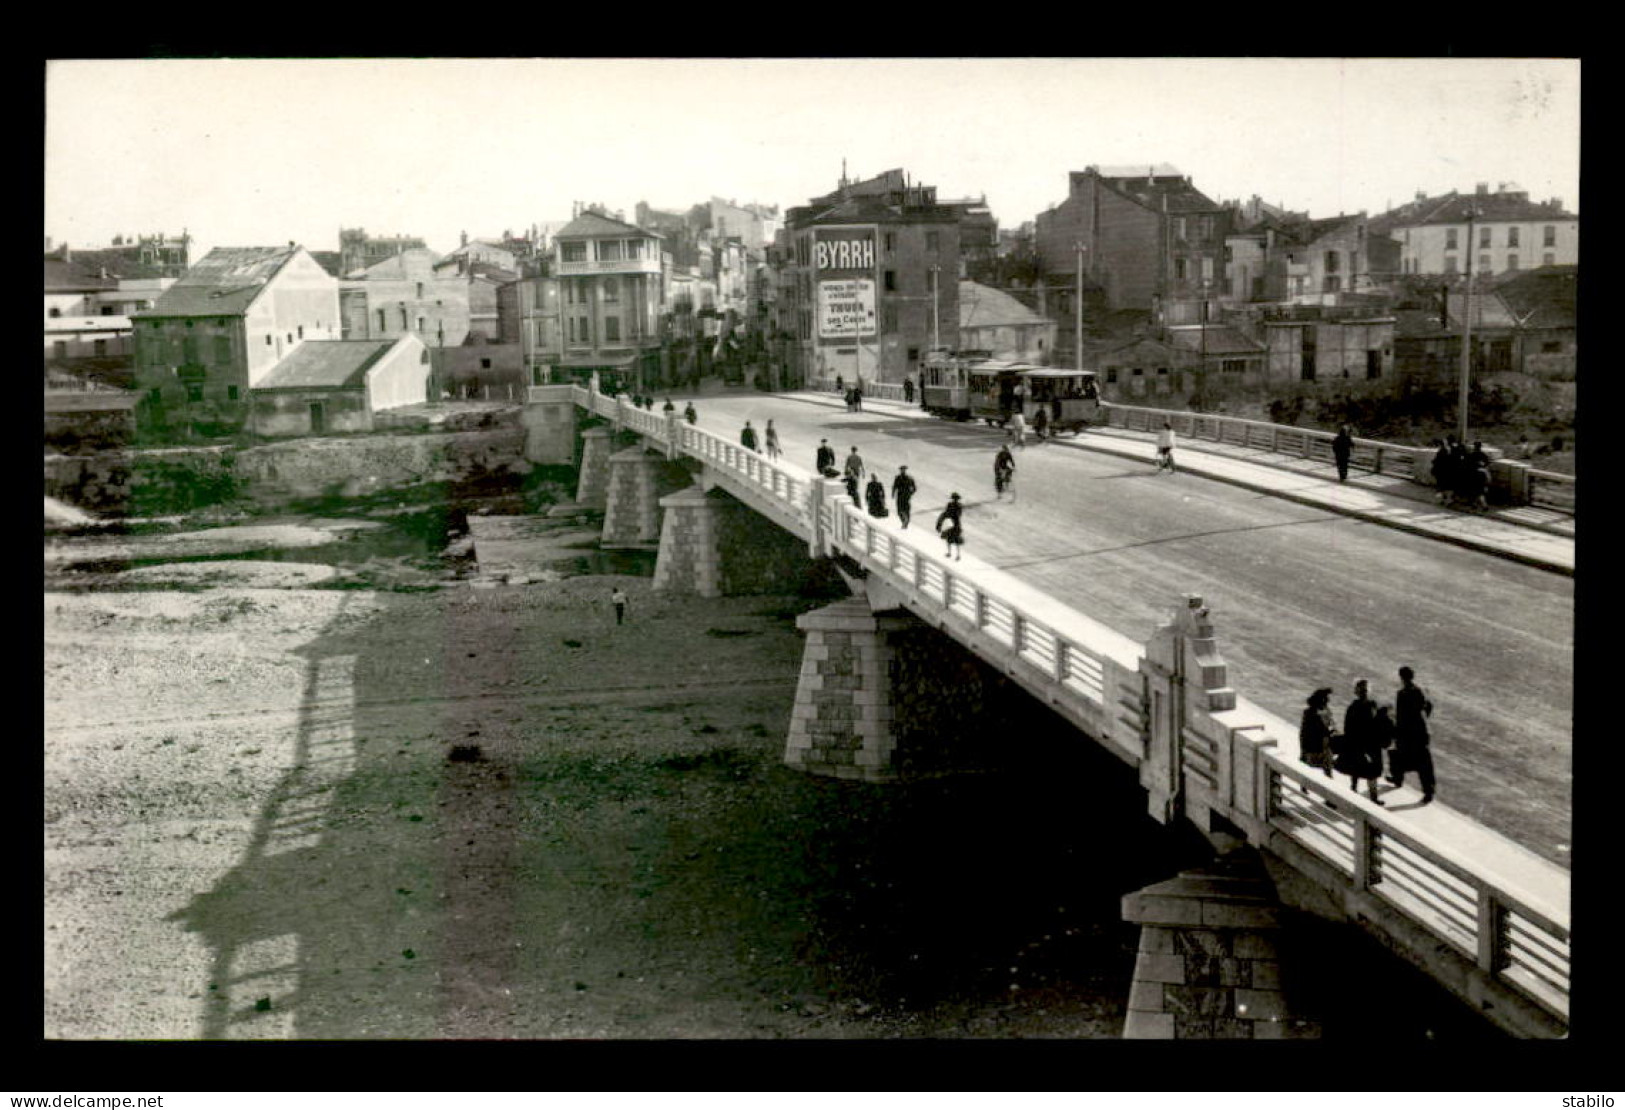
(327, 364)
(981, 306)
(224, 282)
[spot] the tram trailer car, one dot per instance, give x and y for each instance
(1070, 398)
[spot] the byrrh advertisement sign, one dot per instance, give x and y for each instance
(845, 262)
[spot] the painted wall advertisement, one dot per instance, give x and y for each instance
(845, 262)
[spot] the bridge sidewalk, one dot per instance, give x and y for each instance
(1536, 537)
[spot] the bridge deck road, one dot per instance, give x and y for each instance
(1300, 597)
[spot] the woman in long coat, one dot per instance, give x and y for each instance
(954, 533)
(875, 494)
(1315, 731)
(1358, 752)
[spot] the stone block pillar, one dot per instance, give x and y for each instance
(632, 509)
(550, 432)
(1209, 965)
(592, 489)
(690, 561)
(842, 723)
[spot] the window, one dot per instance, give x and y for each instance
(609, 250)
(1111, 375)
(268, 339)
(420, 290)
(231, 393)
(1449, 238)
(1512, 236)
(1331, 262)
(404, 324)
(1233, 366)
(1484, 236)
(301, 331)
(381, 324)
(485, 364)
(1484, 266)
(109, 310)
(1548, 259)
(1551, 348)
(1139, 371)
(933, 241)
(890, 283)
(194, 393)
(1512, 262)
(612, 290)
(1548, 237)
(1179, 269)
(891, 242)
(612, 329)
(420, 325)
(423, 355)
(101, 348)
(1179, 227)
(573, 252)
(571, 328)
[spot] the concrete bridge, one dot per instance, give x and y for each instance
(1483, 916)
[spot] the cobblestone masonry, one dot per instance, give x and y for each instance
(1209, 965)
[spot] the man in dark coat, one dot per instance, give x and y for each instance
(689, 414)
(908, 390)
(1411, 740)
(1342, 449)
(1359, 750)
(747, 437)
(853, 472)
(826, 459)
(902, 492)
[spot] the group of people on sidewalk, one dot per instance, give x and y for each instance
(903, 487)
(770, 435)
(1461, 476)
(1368, 730)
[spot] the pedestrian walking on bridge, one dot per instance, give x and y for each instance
(689, 414)
(1358, 751)
(853, 472)
(747, 437)
(1342, 450)
(1315, 732)
(1412, 744)
(902, 492)
(954, 534)
(617, 598)
(1004, 472)
(825, 464)
(772, 434)
(875, 494)
(1165, 447)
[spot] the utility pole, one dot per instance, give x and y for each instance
(1466, 330)
(1077, 297)
(936, 333)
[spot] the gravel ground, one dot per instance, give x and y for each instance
(491, 813)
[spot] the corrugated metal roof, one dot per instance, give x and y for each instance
(327, 364)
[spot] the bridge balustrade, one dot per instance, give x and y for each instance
(1518, 937)
(1546, 489)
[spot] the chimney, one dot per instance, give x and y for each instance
(1483, 188)
(1420, 195)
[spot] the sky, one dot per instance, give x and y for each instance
(259, 152)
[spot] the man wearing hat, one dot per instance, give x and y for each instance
(902, 492)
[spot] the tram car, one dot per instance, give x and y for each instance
(1070, 398)
(944, 380)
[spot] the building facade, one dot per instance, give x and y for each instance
(1149, 240)
(1508, 233)
(338, 386)
(223, 326)
(359, 251)
(873, 280)
(993, 321)
(611, 291)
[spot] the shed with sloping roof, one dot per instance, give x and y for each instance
(338, 385)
